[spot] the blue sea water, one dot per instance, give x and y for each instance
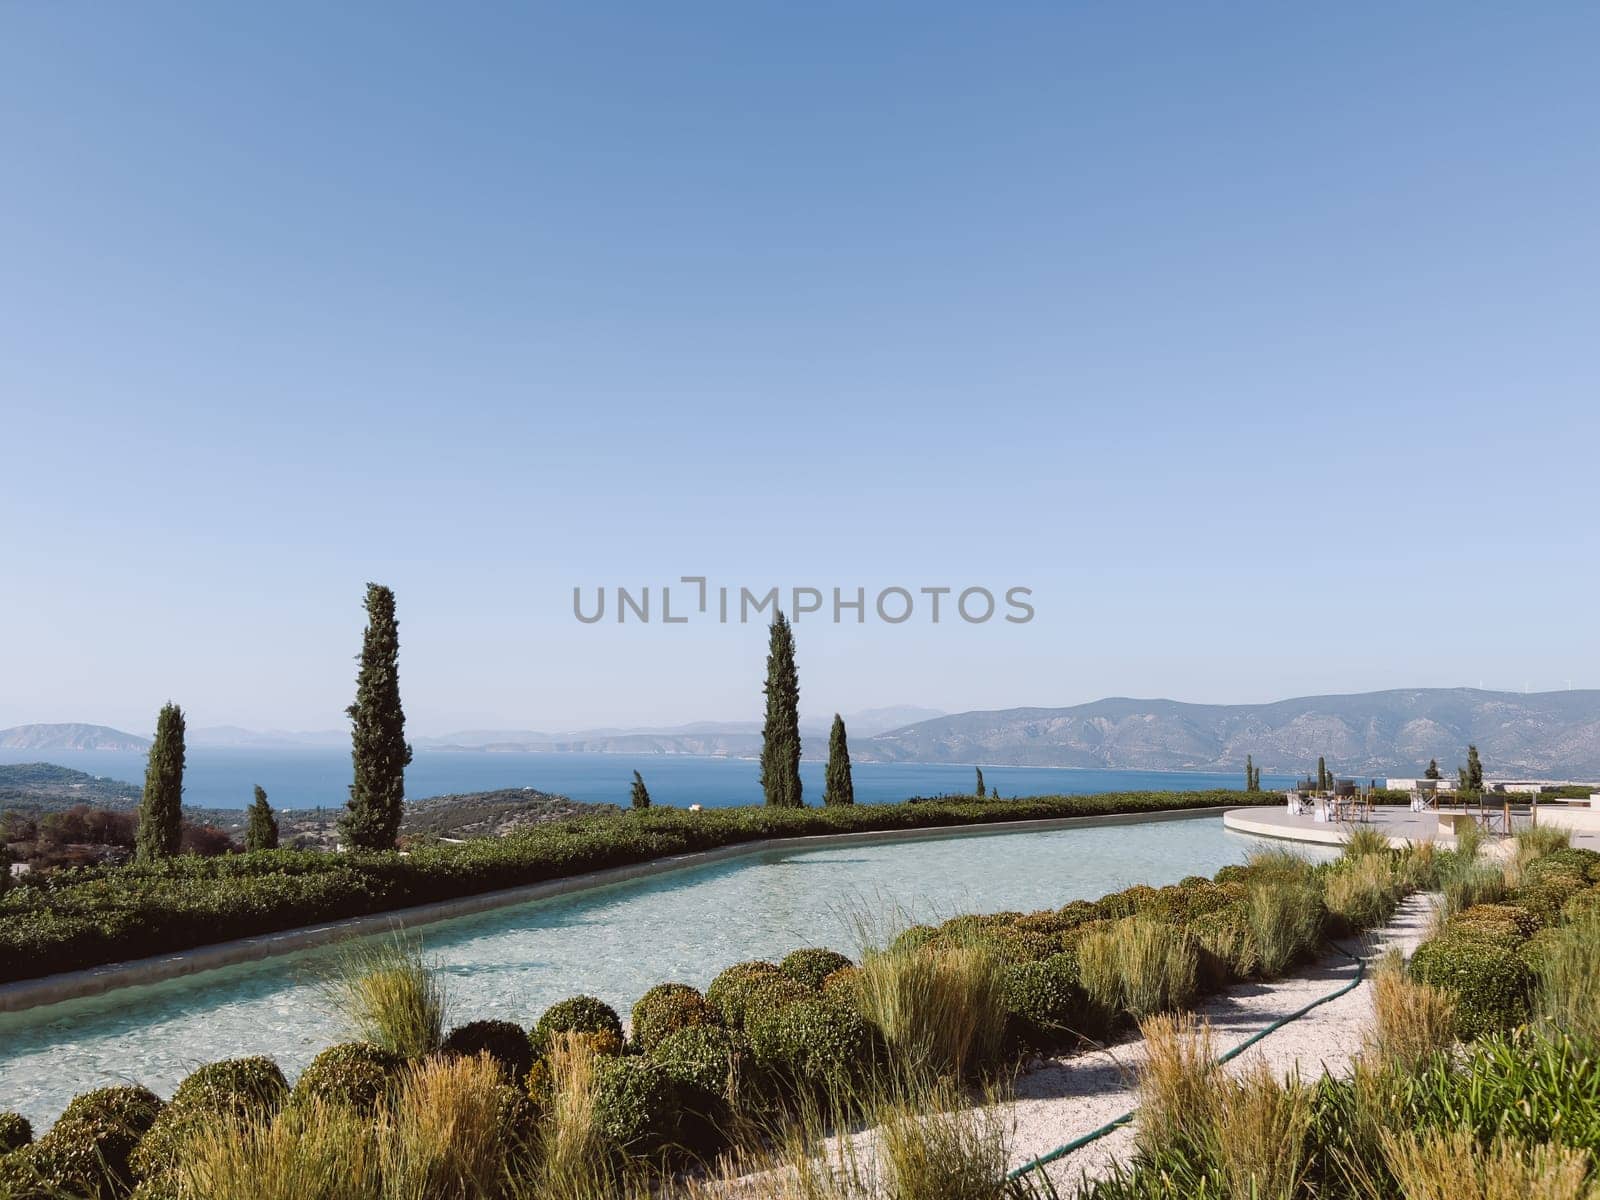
(224, 777)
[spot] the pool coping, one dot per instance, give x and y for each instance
(24, 994)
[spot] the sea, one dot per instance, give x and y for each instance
(320, 778)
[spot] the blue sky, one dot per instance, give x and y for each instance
(1260, 342)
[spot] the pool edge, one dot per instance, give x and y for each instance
(94, 981)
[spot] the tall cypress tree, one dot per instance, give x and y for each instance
(640, 795)
(838, 787)
(378, 733)
(981, 791)
(1322, 774)
(1474, 770)
(161, 808)
(1249, 774)
(780, 734)
(261, 833)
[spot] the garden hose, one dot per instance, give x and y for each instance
(1095, 1135)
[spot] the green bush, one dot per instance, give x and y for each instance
(1521, 923)
(1569, 859)
(811, 1043)
(1490, 984)
(354, 1074)
(86, 1152)
(15, 1132)
(83, 917)
(913, 937)
(234, 1087)
(577, 1014)
(1581, 905)
(1045, 1003)
(749, 987)
(667, 1008)
(636, 1104)
(704, 1058)
(1546, 893)
(812, 965)
(508, 1044)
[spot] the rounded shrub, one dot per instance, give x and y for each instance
(357, 1075)
(15, 1132)
(1019, 945)
(1546, 894)
(811, 1043)
(1582, 905)
(1045, 1004)
(1232, 873)
(706, 1063)
(812, 965)
(1129, 901)
(133, 1106)
(913, 938)
(844, 986)
(506, 1043)
(1490, 984)
(1524, 922)
(86, 1152)
(702, 1058)
(1570, 859)
(577, 1014)
(751, 987)
(234, 1087)
(667, 1008)
(636, 1104)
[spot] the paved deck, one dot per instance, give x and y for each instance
(1400, 824)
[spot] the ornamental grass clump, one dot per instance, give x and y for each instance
(1363, 891)
(1285, 915)
(311, 1151)
(1567, 990)
(1453, 1165)
(1258, 1130)
(1140, 967)
(453, 1130)
(1412, 1021)
(1175, 1087)
(389, 995)
(940, 1009)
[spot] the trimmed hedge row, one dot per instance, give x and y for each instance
(83, 917)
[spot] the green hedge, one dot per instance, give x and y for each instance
(1490, 983)
(84, 917)
(352, 1073)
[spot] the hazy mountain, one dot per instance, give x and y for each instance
(1548, 734)
(269, 739)
(737, 739)
(70, 737)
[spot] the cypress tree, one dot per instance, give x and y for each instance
(981, 792)
(780, 734)
(378, 733)
(1249, 774)
(1322, 774)
(1474, 770)
(1433, 769)
(161, 809)
(838, 787)
(640, 795)
(5, 867)
(262, 831)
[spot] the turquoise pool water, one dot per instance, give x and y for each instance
(614, 942)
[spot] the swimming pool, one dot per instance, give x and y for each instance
(614, 942)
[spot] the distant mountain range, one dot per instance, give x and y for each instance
(1545, 734)
(69, 737)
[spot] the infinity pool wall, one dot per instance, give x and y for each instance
(614, 942)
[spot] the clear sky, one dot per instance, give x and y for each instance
(1259, 340)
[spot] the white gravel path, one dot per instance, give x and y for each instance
(1062, 1099)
